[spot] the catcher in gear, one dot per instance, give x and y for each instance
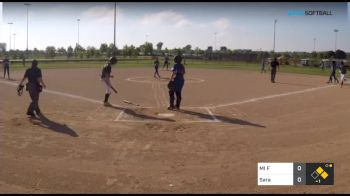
(176, 83)
(105, 77)
(34, 87)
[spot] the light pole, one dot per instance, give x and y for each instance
(274, 36)
(78, 20)
(115, 15)
(146, 38)
(215, 40)
(10, 23)
(14, 41)
(315, 44)
(27, 5)
(335, 43)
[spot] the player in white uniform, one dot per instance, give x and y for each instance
(105, 77)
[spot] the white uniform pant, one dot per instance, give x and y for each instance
(107, 85)
(342, 77)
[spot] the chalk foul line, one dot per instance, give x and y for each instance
(271, 96)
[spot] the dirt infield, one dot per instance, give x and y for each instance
(230, 121)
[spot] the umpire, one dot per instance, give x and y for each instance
(274, 65)
(6, 63)
(34, 87)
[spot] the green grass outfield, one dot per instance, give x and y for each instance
(124, 63)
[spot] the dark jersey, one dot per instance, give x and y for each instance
(33, 74)
(180, 71)
(334, 67)
(166, 59)
(107, 69)
(274, 64)
(6, 63)
(156, 63)
(343, 70)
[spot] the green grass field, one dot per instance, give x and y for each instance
(189, 63)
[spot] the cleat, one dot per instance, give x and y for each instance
(107, 104)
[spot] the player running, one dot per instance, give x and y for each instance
(156, 67)
(178, 82)
(343, 72)
(105, 77)
(334, 69)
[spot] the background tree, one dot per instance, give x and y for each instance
(50, 51)
(61, 51)
(339, 54)
(90, 52)
(329, 54)
(70, 52)
(159, 47)
(104, 49)
(148, 48)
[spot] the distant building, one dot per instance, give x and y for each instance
(2, 47)
(328, 62)
(210, 49)
(305, 62)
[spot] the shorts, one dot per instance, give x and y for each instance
(342, 77)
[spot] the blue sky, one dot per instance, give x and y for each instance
(238, 25)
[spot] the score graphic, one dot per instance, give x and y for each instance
(320, 173)
(295, 174)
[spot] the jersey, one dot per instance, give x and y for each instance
(33, 74)
(180, 71)
(107, 69)
(274, 64)
(343, 70)
(6, 63)
(156, 64)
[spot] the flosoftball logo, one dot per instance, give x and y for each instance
(310, 13)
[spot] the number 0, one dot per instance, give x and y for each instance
(299, 179)
(299, 168)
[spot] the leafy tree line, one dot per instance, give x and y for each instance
(147, 49)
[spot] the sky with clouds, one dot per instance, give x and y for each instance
(237, 25)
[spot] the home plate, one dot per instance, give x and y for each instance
(166, 114)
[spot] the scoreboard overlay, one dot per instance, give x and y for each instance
(290, 174)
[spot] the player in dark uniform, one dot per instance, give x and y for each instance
(6, 64)
(334, 69)
(34, 87)
(178, 80)
(106, 74)
(274, 64)
(156, 67)
(166, 62)
(343, 72)
(263, 66)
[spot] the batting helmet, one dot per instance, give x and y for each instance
(113, 60)
(177, 59)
